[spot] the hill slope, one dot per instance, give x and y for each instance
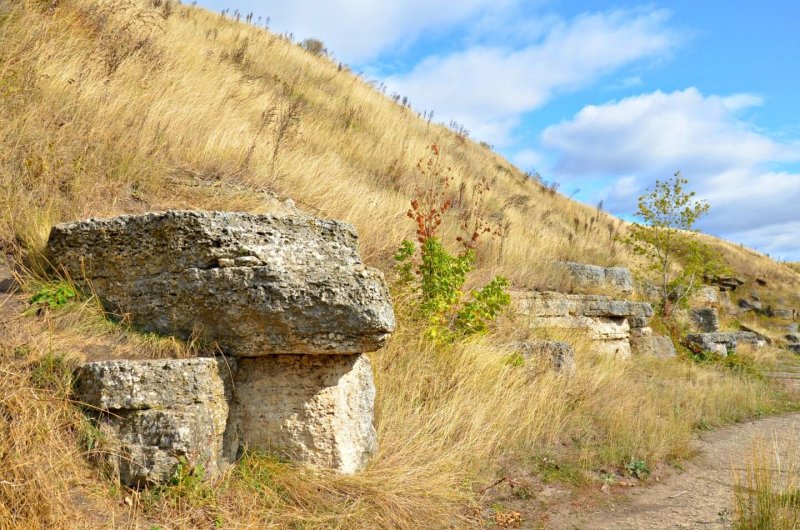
(113, 107)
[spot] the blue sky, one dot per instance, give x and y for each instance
(599, 96)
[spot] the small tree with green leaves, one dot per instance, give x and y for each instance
(437, 276)
(669, 213)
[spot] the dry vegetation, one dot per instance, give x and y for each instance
(110, 107)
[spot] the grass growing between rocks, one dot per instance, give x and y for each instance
(451, 421)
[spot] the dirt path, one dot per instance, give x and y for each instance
(700, 496)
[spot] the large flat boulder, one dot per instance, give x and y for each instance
(705, 319)
(252, 284)
(722, 344)
(159, 414)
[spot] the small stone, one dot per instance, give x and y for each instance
(706, 319)
(224, 263)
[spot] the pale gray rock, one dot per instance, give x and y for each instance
(614, 279)
(748, 337)
(653, 345)
(720, 343)
(706, 296)
(156, 414)
(606, 322)
(253, 284)
(794, 327)
(557, 356)
(705, 319)
(313, 409)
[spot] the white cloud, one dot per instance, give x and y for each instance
(358, 31)
(650, 136)
(489, 87)
(528, 159)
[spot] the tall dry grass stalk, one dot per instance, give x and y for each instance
(767, 492)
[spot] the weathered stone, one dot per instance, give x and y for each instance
(792, 337)
(760, 336)
(786, 314)
(650, 344)
(558, 356)
(794, 348)
(157, 413)
(748, 337)
(761, 281)
(605, 321)
(749, 305)
(706, 296)
(705, 319)
(794, 327)
(638, 322)
(614, 279)
(755, 295)
(719, 343)
(297, 284)
(314, 409)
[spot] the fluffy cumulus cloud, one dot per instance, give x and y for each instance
(488, 88)
(642, 138)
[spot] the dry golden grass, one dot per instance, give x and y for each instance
(109, 107)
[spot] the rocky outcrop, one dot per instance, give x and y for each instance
(158, 414)
(617, 280)
(720, 343)
(777, 312)
(706, 296)
(748, 337)
(705, 319)
(286, 295)
(606, 322)
(254, 284)
(644, 342)
(555, 355)
(726, 283)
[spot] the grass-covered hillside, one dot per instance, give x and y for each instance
(124, 106)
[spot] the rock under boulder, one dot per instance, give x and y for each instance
(254, 284)
(614, 279)
(311, 408)
(157, 414)
(557, 356)
(705, 319)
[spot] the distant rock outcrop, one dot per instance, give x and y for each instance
(558, 356)
(617, 280)
(270, 290)
(605, 321)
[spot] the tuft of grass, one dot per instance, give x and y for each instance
(767, 494)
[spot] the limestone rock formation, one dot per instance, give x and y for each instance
(777, 312)
(706, 296)
(312, 409)
(643, 343)
(287, 295)
(614, 279)
(748, 337)
(705, 319)
(156, 413)
(255, 284)
(557, 356)
(605, 321)
(719, 343)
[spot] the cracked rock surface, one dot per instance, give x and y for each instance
(253, 284)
